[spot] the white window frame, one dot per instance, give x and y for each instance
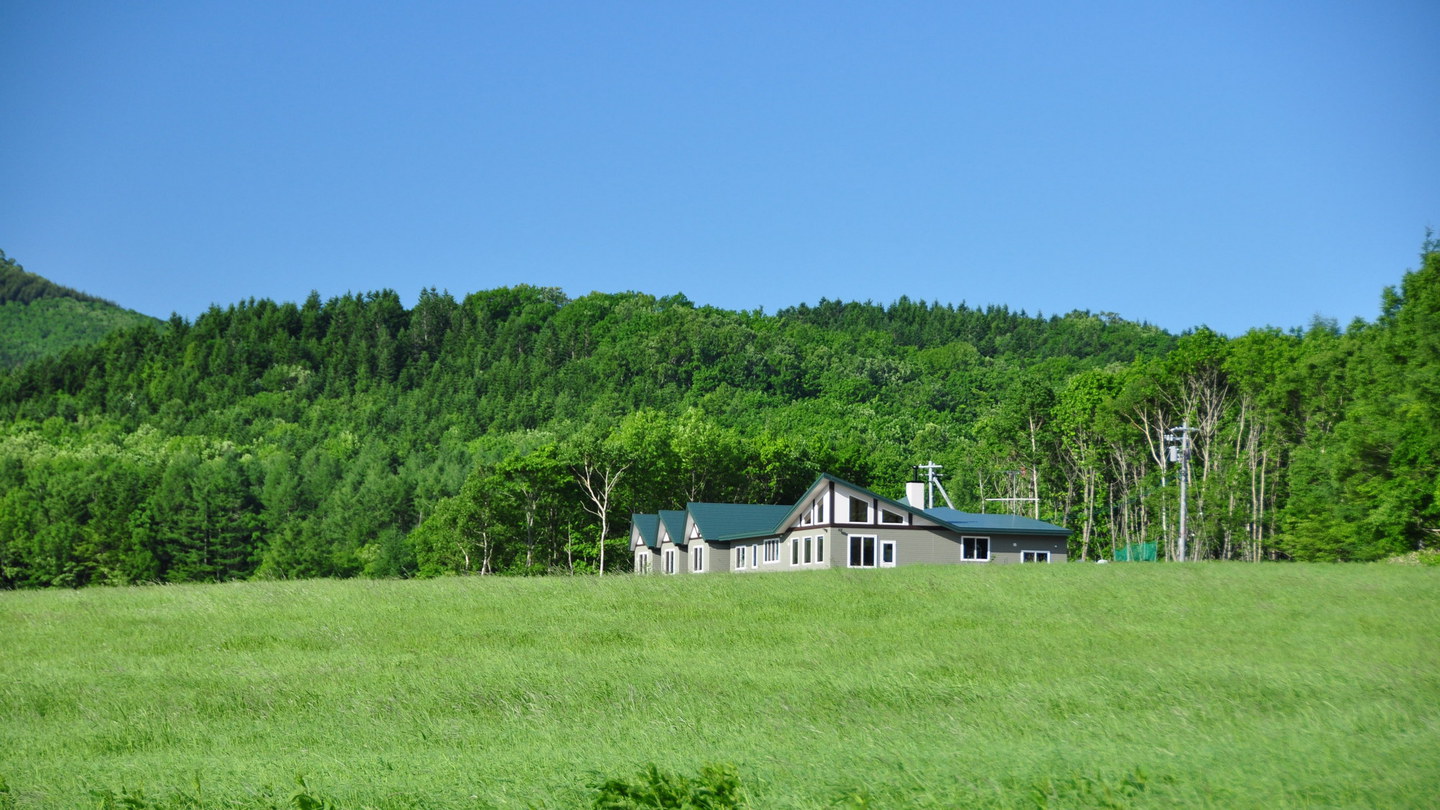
(1037, 554)
(772, 550)
(893, 548)
(988, 544)
(740, 556)
(820, 549)
(874, 551)
(697, 560)
(794, 551)
(669, 560)
(755, 556)
(809, 554)
(886, 514)
(869, 511)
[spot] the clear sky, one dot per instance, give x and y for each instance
(1233, 163)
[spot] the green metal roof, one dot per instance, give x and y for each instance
(649, 526)
(722, 522)
(994, 524)
(737, 521)
(674, 521)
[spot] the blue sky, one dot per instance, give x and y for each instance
(1233, 164)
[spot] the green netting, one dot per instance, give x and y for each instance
(1137, 552)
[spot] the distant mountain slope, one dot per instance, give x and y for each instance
(39, 318)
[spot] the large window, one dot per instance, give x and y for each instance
(975, 548)
(1035, 556)
(642, 563)
(859, 511)
(697, 559)
(772, 551)
(862, 551)
(669, 560)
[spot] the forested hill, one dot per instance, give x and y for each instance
(40, 318)
(508, 431)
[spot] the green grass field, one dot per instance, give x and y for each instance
(1206, 685)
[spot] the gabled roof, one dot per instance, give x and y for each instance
(733, 521)
(649, 526)
(994, 524)
(951, 518)
(674, 521)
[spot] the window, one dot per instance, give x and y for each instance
(740, 556)
(887, 553)
(642, 563)
(694, 531)
(975, 548)
(820, 511)
(808, 549)
(669, 560)
(859, 511)
(862, 551)
(794, 551)
(1035, 556)
(886, 516)
(697, 559)
(772, 551)
(820, 549)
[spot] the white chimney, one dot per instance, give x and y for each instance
(915, 494)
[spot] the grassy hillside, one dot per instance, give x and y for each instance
(1210, 685)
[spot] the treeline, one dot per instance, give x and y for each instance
(510, 431)
(21, 287)
(39, 318)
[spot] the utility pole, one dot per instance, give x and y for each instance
(1178, 441)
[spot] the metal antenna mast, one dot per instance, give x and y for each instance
(932, 483)
(1178, 442)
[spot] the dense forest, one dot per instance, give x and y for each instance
(514, 430)
(40, 318)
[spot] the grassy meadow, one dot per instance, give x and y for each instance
(1205, 685)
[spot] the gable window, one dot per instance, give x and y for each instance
(886, 516)
(1035, 556)
(862, 551)
(669, 560)
(695, 531)
(772, 550)
(859, 511)
(820, 511)
(975, 548)
(697, 559)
